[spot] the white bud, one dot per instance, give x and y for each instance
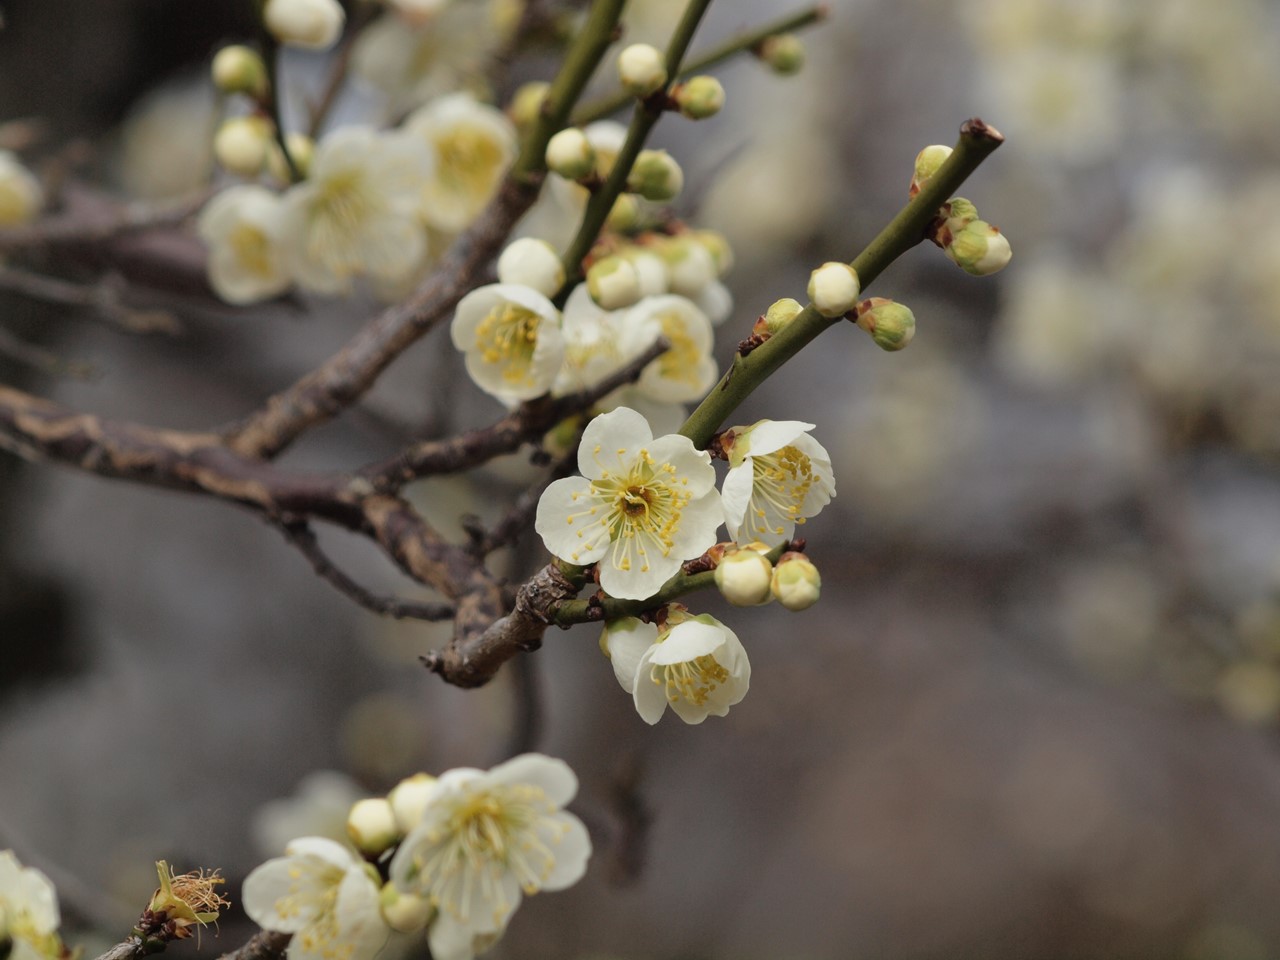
(237, 69)
(834, 289)
(404, 912)
(980, 249)
(241, 145)
(371, 825)
(409, 799)
(613, 283)
(642, 69)
(532, 263)
(796, 582)
(570, 154)
(745, 578)
(691, 264)
(315, 24)
(784, 53)
(651, 270)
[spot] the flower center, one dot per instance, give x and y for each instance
(692, 681)
(509, 335)
(252, 249)
(680, 362)
(340, 212)
(469, 161)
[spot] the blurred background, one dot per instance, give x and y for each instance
(1035, 713)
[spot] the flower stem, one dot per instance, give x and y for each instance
(977, 142)
(747, 40)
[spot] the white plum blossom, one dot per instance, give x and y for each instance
(642, 507)
(687, 370)
(473, 144)
(244, 229)
(593, 342)
(485, 840)
(779, 476)
(29, 914)
(697, 666)
(510, 336)
(356, 214)
(20, 193)
(315, 24)
(323, 894)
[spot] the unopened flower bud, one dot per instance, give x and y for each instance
(372, 826)
(526, 104)
(891, 324)
(409, 798)
(624, 214)
(928, 162)
(570, 154)
(784, 53)
(699, 97)
(796, 582)
(717, 245)
(979, 249)
(613, 283)
(238, 69)
(532, 263)
(745, 578)
(958, 213)
(302, 149)
(242, 144)
(404, 912)
(834, 289)
(690, 264)
(656, 176)
(652, 271)
(642, 69)
(778, 317)
(315, 24)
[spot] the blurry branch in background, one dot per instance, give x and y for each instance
(104, 298)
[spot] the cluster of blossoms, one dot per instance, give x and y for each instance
(452, 856)
(29, 916)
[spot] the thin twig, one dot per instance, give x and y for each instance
(303, 537)
(263, 945)
(46, 361)
(105, 297)
(116, 219)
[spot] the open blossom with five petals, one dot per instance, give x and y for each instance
(243, 228)
(29, 914)
(486, 839)
(695, 665)
(510, 335)
(642, 507)
(779, 476)
(323, 894)
(687, 370)
(357, 212)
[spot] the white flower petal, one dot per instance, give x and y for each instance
(637, 583)
(735, 498)
(553, 777)
(564, 525)
(610, 441)
(628, 641)
(768, 436)
(572, 846)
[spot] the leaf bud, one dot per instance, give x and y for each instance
(784, 54)
(409, 799)
(744, 577)
(570, 154)
(404, 912)
(778, 317)
(315, 24)
(928, 162)
(532, 263)
(891, 324)
(699, 97)
(372, 826)
(656, 176)
(238, 69)
(979, 249)
(526, 105)
(642, 69)
(796, 582)
(834, 288)
(242, 144)
(613, 283)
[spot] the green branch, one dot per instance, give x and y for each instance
(977, 142)
(748, 40)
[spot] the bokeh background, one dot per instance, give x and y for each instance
(1035, 714)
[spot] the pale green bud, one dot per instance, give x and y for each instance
(717, 245)
(642, 69)
(784, 53)
(928, 162)
(624, 214)
(778, 317)
(979, 249)
(372, 826)
(570, 154)
(958, 212)
(891, 324)
(404, 912)
(744, 578)
(526, 104)
(242, 144)
(238, 69)
(613, 283)
(301, 148)
(699, 97)
(834, 289)
(532, 263)
(656, 176)
(796, 582)
(409, 799)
